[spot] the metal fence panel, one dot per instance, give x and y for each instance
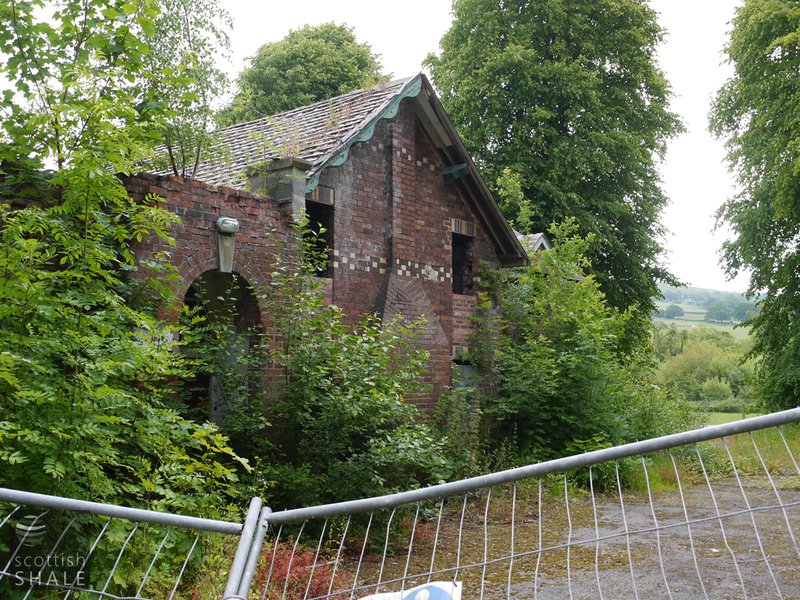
(52, 547)
(710, 513)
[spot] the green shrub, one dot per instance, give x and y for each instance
(344, 425)
(731, 405)
(716, 390)
(557, 372)
(456, 420)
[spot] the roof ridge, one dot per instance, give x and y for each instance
(306, 107)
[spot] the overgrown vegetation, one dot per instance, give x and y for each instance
(86, 364)
(705, 365)
(342, 426)
(557, 378)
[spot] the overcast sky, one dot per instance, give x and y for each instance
(695, 177)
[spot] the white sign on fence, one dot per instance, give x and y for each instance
(437, 590)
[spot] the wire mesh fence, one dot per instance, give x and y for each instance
(710, 513)
(52, 547)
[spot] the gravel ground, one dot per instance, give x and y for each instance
(708, 571)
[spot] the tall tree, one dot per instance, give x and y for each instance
(181, 77)
(310, 64)
(568, 96)
(85, 363)
(757, 112)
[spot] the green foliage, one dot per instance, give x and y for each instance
(342, 427)
(668, 340)
(310, 64)
(673, 311)
(556, 373)
(226, 359)
(720, 311)
(87, 365)
(182, 78)
(732, 405)
(344, 418)
(716, 389)
(568, 96)
(457, 420)
(703, 364)
(756, 113)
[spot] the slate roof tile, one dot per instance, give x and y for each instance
(311, 133)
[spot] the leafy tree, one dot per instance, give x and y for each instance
(668, 340)
(568, 96)
(756, 113)
(181, 77)
(310, 64)
(743, 311)
(673, 311)
(548, 345)
(86, 365)
(719, 311)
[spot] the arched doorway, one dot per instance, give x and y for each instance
(221, 333)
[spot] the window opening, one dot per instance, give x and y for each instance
(320, 237)
(465, 374)
(462, 264)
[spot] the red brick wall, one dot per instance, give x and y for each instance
(392, 240)
(199, 205)
(392, 236)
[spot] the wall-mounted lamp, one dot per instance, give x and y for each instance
(227, 228)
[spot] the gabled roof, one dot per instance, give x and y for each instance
(322, 134)
(310, 133)
(534, 242)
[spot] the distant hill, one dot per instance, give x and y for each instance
(696, 296)
(692, 304)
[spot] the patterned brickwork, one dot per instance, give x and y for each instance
(392, 234)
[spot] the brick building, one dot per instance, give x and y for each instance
(408, 217)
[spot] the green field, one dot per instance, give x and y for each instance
(718, 418)
(693, 318)
(740, 333)
(691, 312)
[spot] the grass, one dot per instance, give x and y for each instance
(771, 447)
(691, 312)
(740, 333)
(718, 418)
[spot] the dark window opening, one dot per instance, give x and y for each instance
(462, 264)
(222, 340)
(465, 375)
(320, 237)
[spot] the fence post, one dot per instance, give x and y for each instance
(255, 552)
(243, 551)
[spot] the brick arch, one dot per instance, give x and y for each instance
(250, 301)
(198, 206)
(254, 276)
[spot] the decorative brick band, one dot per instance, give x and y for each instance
(353, 262)
(434, 273)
